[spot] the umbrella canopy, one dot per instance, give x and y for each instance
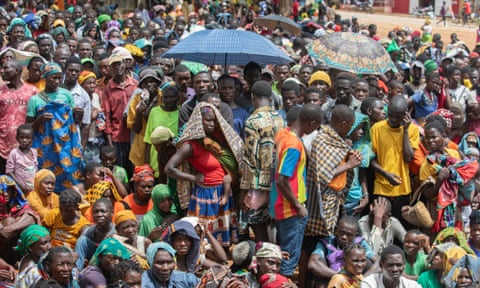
(227, 47)
(351, 52)
(272, 21)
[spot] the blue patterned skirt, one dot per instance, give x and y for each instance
(221, 221)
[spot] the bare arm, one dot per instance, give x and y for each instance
(181, 155)
(319, 268)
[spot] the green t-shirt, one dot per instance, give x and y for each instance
(159, 117)
(428, 279)
(418, 267)
(121, 174)
(37, 102)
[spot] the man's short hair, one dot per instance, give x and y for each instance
(262, 89)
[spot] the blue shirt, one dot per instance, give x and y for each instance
(178, 279)
(424, 106)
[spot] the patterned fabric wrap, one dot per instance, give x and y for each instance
(323, 203)
(194, 131)
(58, 146)
(461, 171)
(469, 262)
(98, 189)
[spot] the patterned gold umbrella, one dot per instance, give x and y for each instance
(351, 52)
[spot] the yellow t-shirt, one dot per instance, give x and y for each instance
(387, 144)
(61, 233)
(137, 151)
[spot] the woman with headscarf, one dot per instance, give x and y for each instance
(34, 241)
(165, 275)
(60, 34)
(439, 262)
(464, 273)
(56, 136)
(357, 197)
(43, 199)
(140, 201)
(57, 268)
(108, 254)
(453, 235)
(163, 210)
(127, 233)
(15, 215)
(214, 149)
(469, 140)
(17, 31)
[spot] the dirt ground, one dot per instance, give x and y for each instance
(387, 21)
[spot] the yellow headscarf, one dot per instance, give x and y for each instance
(124, 215)
(40, 176)
(97, 190)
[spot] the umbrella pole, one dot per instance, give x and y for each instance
(225, 65)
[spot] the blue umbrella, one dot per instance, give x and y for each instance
(227, 47)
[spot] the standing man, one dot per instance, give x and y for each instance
(257, 161)
(83, 107)
(115, 100)
(394, 142)
(288, 193)
(282, 72)
(183, 79)
(14, 97)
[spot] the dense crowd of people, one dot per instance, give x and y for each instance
(123, 168)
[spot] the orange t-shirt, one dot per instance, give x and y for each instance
(138, 210)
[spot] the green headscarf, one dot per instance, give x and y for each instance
(60, 30)
(110, 246)
(103, 18)
(364, 144)
(29, 236)
(454, 232)
(154, 217)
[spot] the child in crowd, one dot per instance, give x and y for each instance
(22, 162)
(109, 158)
(416, 247)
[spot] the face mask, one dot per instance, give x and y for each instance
(216, 74)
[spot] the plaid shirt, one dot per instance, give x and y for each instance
(258, 157)
(323, 203)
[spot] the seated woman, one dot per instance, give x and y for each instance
(464, 273)
(95, 173)
(140, 201)
(43, 199)
(127, 233)
(214, 149)
(439, 262)
(163, 210)
(15, 215)
(183, 237)
(65, 222)
(109, 253)
(34, 241)
(57, 267)
(102, 211)
(161, 258)
(355, 263)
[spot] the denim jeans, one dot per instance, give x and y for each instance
(290, 233)
(85, 249)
